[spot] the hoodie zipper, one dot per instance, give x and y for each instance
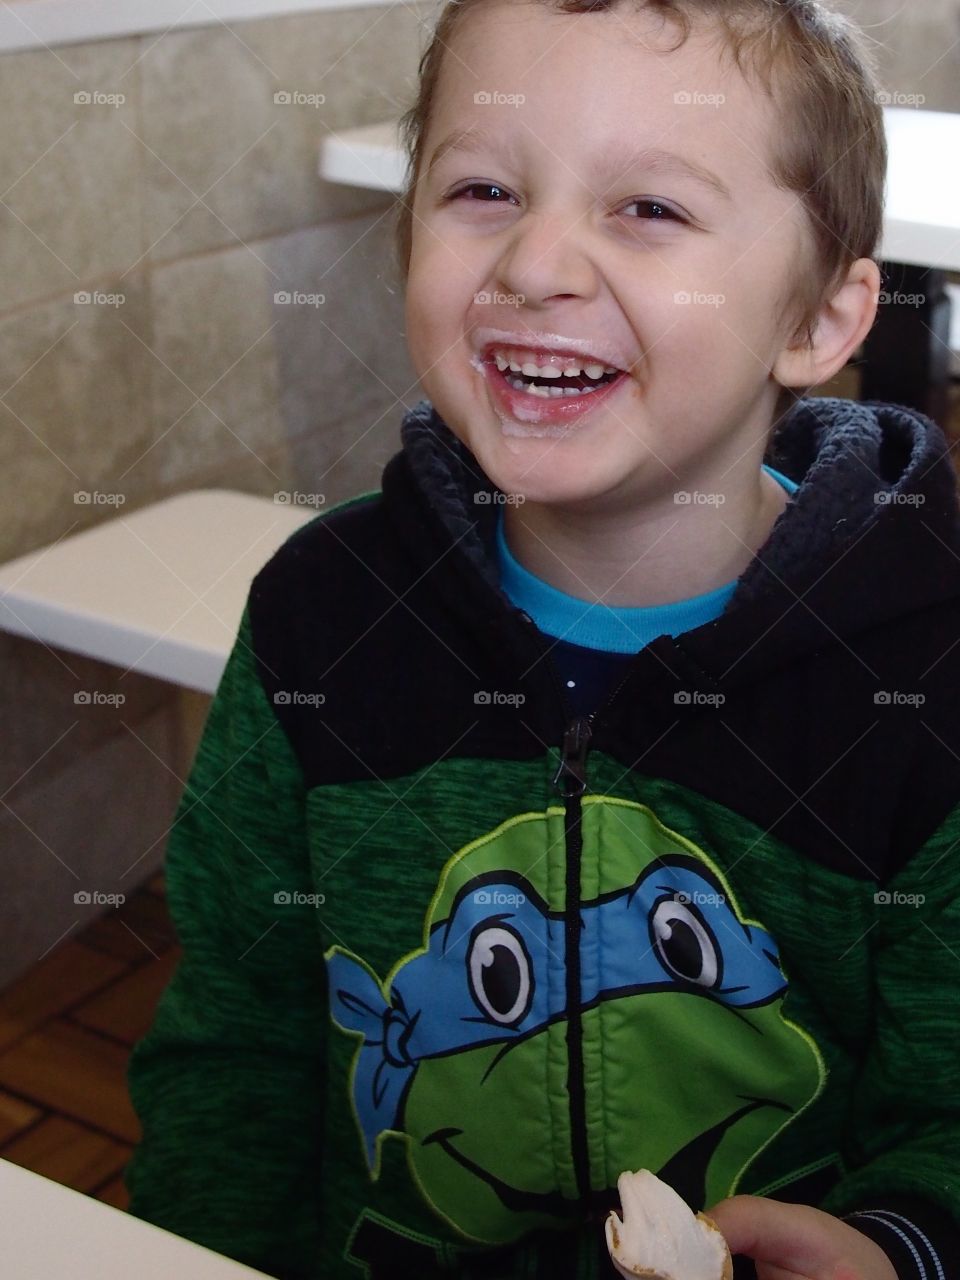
(571, 781)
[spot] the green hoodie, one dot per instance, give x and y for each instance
(454, 959)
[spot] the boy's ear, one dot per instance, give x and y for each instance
(842, 323)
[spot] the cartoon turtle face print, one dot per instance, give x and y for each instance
(689, 1067)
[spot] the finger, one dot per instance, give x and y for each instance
(772, 1232)
(768, 1271)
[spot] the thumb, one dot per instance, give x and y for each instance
(769, 1231)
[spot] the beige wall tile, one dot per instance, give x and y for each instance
(917, 47)
(192, 715)
(212, 318)
(47, 730)
(71, 173)
(343, 459)
(75, 413)
(345, 360)
(100, 823)
(211, 121)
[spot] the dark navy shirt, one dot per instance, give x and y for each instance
(594, 642)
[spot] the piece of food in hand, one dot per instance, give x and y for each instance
(660, 1237)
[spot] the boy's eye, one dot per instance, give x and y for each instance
(660, 212)
(477, 186)
(656, 210)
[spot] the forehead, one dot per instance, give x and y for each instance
(526, 74)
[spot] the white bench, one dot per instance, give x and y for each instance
(159, 591)
(50, 1232)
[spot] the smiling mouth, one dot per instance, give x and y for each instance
(685, 1171)
(514, 1198)
(542, 401)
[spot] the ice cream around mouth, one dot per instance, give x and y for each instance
(549, 391)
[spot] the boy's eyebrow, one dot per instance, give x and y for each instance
(475, 138)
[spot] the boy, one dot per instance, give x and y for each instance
(587, 800)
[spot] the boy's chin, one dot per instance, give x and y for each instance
(549, 479)
(552, 469)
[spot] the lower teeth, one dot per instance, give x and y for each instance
(549, 392)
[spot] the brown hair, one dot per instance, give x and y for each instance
(830, 147)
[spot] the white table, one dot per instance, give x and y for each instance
(922, 217)
(160, 590)
(50, 1232)
(912, 349)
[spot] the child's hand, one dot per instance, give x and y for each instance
(798, 1242)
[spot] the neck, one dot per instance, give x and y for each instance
(661, 553)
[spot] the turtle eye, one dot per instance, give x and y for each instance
(499, 969)
(684, 944)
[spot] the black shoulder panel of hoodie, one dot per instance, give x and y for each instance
(805, 752)
(804, 749)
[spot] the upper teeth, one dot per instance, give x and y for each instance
(520, 362)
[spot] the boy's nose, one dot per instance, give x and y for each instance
(544, 260)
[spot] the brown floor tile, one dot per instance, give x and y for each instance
(67, 1068)
(141, 928)
(15, 1116)
(70, 972)
(115, 1193)
(126, 1008)
(68, 1153)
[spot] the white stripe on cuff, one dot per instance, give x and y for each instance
(883, 1215)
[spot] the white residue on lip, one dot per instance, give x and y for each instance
(533, 417)
(511, 428)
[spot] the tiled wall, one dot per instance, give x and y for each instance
(919, 46)
(196, 198)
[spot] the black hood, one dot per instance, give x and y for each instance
(872, 533)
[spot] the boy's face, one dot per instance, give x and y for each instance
(585, 242)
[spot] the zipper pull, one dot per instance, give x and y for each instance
(571, 777)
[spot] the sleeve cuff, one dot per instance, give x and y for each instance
(921, 1239)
